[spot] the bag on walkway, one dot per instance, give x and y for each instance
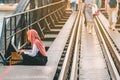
(112, 3)
(96, 13)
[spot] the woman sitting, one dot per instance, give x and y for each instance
(36, 56)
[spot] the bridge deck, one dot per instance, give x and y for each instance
(41, 72)
(92, 62)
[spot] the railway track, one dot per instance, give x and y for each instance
(65, 63)
(69, 65)
(110, 50)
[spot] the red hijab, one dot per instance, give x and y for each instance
(35, 39)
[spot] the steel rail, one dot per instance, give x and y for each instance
(66, 63)
(34, 22)
(113, 49)
(73, 75)
(104, 42)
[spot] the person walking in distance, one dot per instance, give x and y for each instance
(89, 14)
(73, 5)
(111, 6)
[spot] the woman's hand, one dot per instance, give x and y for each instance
(21, 51)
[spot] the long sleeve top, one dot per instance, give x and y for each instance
(32, 52)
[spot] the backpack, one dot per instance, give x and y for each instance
(112, 3)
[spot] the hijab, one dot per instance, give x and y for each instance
(35, 39)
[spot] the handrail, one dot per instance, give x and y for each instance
(34, 23)
(4, 62)
(22, 5)
(2, 31)
(34, 9)
(26, 16)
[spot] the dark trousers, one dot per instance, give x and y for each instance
(39, 59)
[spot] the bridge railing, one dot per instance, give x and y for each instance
(15, 26)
